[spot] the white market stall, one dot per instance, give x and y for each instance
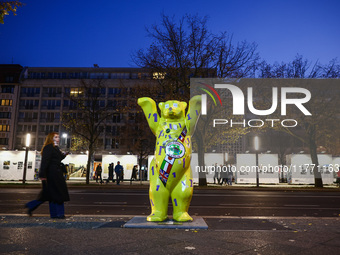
(77, 164)
(301, 168)
(12, 165)
(127, 161)
(268, 168)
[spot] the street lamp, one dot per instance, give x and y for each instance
(28, 141)
(65, 136)
(257, 146)
(226, 157)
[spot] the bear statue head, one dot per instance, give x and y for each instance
(173, 109)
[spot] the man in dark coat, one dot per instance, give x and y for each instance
(119, 172)
(111, 167)
(99, 173)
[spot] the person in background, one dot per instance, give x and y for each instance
(119, 172)
(134, 173)
(230, 175)
(111, 167)
(99, 173)
(224, 175)
(54, 188)
(217, 174)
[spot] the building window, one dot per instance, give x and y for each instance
(111, 103)
(51, 104)
(29, 92)
(76, 92)
(27, 128)
(97, 91)
(111, 130)
(56, 75)
(28, 116)
(49, 116)
(158, 76)
(9, 79)
(6, 102)
(29, 104)
(134, 76)
(51, 92)
(111, 143)
(115, 143)
(5, 115)
(99, 75)
(83, 75)
(4, 128)
(116, 118)
(48, 128)
(36, 75)
(132, 116)
(70, 104)
(74, 75)
(7, 89)
(115, 92)
(4, 141)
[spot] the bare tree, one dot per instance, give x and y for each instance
(319, 129)
(143, 143)
(298, 68)
(186, 49)
(87, 114)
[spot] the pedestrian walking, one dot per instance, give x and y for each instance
(54, 188)
(99, 173)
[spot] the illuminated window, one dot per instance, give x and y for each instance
(4, 128)
(6, 102)
(158, 76)
(75, 92)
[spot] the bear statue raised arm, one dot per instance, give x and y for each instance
(170, 172)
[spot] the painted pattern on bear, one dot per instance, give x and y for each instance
(170, 174)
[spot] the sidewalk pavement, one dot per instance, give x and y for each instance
(225, 235)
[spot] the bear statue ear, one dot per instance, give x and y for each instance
(161, 105)
(183, 105)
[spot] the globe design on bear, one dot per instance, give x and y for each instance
(175, 149)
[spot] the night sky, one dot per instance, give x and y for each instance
(60, 33)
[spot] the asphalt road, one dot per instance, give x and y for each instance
(239, 222)
(132, 202)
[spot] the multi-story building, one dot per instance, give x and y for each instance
(45, 93)
(10, 76)
(33, 100)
